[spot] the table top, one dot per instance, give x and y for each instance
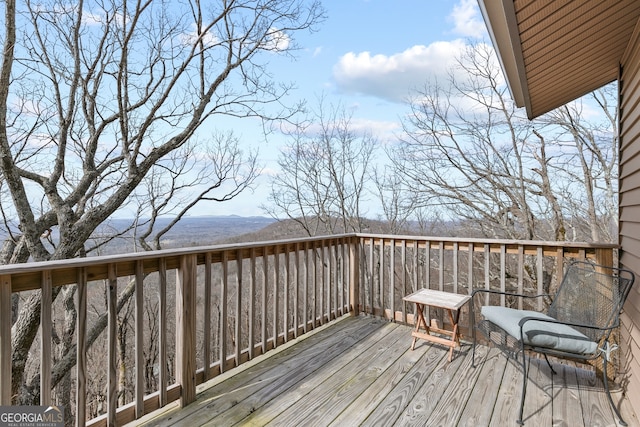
(440, 299)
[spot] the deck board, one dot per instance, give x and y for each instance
(326, 400)
(478, 409)
(566, 401)
(361, 371)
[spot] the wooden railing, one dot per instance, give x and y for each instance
(195, 313)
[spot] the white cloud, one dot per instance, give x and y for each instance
(466, 19)
(393, 77)
(277, 40)
(192, 37)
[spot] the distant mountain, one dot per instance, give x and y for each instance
(189, 231)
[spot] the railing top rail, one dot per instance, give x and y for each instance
(544, 243)
(27, 276)
(164, 253)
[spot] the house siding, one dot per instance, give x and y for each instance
(629, 185)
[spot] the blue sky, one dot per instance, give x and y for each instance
(367, 56)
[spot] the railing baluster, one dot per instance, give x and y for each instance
(427, 265)
(326, 277)
(286, 313)
(252, 302)
(503, 273)
(206, 328)
(265, 286)
(162, 330)
(238, 324)
(322, 283)
(371, 276)
(354, 276)
(381, 258)
(455, 266)
(392, 280)
(441, 266)
(340, 276)
(560, 266)
(305, 280)
(540, 273)
(296, 289)
(332, 279)
(520, 274)
(139, 339)
(314, 282)
(45, 339)
(81, 356)
(405, 291)
(112, 353)
(470, 269)
(5, 340)
(276, 295)
(487, 267)
(224, 282)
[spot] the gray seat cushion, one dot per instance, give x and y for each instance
(539, 334)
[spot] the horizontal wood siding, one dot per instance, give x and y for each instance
(630, 206)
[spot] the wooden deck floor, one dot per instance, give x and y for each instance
(361, 371)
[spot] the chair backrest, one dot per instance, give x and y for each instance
(591, 294)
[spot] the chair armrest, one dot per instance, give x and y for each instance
(573, 325)
(511, 294)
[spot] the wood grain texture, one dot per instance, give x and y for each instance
(566, 400)
(482, 399)
(360, 371)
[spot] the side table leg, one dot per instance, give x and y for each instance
(455, 337)
(420, 309)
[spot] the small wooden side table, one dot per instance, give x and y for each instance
(451, 303)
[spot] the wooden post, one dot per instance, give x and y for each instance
(604, 257)
(186, 328)
(354, 275)
(5, 340)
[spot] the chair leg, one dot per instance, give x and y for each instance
(549, 363)
(606, 387)
(525, 376)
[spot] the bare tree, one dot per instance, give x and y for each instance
(94, 95)
(469, 150)
(324, 174)
(586, 131)
(219, 175)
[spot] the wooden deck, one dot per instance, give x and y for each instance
(360, 371)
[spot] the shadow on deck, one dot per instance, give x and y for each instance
(361, 371)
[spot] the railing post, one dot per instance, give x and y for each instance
(354, 275)
(604, 256)
(5, 340)
(186, 328)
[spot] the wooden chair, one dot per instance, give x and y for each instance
(577, 325)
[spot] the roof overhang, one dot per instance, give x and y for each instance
(553, 52)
